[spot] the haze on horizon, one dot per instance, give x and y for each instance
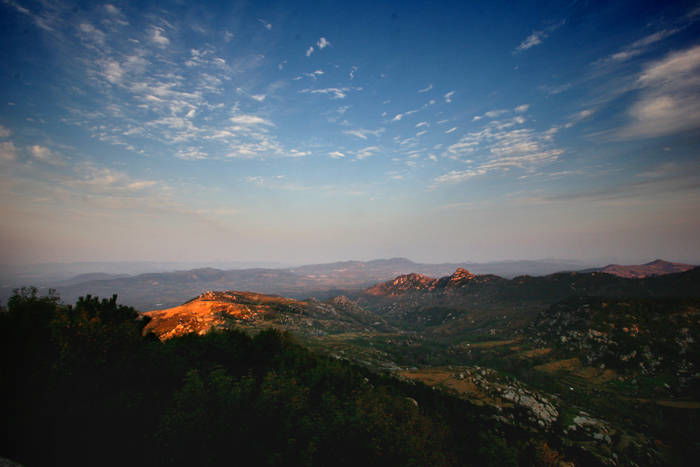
(311, 133)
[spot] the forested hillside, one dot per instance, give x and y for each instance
(82, 386)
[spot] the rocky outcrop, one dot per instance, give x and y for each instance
(403, 284)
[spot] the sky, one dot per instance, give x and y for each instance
(323, 131)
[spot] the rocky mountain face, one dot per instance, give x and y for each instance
(214, 310)
(410, 283)
(657, 267)
(551, 288)
(464, 302)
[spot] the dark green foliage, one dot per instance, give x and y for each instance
(82, 386)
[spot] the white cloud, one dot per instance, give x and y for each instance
(448, 96)
(495, 113)
(536, 38)
(451, 130)
(109, 182)
(250, 120)
(522, 108)
(44, 154)
(336, 155)
(500, 146)
(112, 10)
(353, 70)
(8, 151)
(4, 132)
(532, 40)
(256, 180)
(112, 71)
(640, 46)
(90, 33)
(322, 43)
(310, 50)
(669, 98)
(418, 125)
(265, 24)
(363, 133)
(456, 176)
(367, 152)
(157, 36)
(335, 93)
(258, 97)
(297, 153)
(399, 117)
(426, 89)
(191, 154)
(313, 75)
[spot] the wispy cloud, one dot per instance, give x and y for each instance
(399, 117)
(191, 154)
(501, 145)
(669, 97)
(363, 133)
(321, 43)
(426, 89)
(44, 154)
(157, 36)
(313, 75)
(335, 93)
(366, 152)
(448, 96)
(298, 153)
(265, 24)
(640, 46)
(8, 151)
(250, 120)
(336, 155)
(536, 38)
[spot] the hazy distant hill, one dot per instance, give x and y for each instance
(655, 268)
(163, 289)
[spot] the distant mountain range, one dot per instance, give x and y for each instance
(167, 289)
(549, 288)
(657, 267)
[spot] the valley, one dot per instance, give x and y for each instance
(605, 365)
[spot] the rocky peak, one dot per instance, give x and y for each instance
(460, 275)
(404, 283)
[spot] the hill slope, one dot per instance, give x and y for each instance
(213, 310)
(657, 267)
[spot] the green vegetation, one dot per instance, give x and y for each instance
(80, 385)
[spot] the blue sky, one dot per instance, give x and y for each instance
(319, 131)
